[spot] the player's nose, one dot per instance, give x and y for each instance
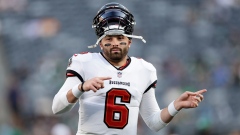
(115, 42)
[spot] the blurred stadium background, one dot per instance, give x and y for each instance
(194, 44)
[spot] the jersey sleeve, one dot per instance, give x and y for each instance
(75, 68)
(151, 112)
(149, 109)
(152, 75)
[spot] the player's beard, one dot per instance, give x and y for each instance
(116, 56)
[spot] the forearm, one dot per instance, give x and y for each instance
(64, 100)
(151, 112)
(61, 104)
(165, 116)
(155, 118)
(161, 118)
(169, 112)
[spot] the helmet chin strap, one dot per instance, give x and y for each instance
(115, 32)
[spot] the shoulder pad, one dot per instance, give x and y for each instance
(83, 57)
(145, 64)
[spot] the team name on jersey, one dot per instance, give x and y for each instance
(119, 83)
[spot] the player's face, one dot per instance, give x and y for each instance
(115, 48)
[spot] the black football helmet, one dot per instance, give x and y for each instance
(113, 14)
(114, 19)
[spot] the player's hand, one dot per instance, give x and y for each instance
(189, 99)
(95, 83)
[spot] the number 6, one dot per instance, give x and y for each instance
(112, 108)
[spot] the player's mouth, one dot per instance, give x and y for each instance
(116, 50)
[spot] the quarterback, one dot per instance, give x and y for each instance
(111, 87)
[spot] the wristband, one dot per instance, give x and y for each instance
(171, 109)
(76, 92)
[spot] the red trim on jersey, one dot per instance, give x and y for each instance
(70, 74)
(125, 65)
(75, 55)
(84, 52)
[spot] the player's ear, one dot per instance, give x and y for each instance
(100, 44)
(129, 42)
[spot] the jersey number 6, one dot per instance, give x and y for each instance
(116, 114)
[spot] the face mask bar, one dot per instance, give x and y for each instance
(115, 32)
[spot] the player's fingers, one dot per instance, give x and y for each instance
(201, 91)
(194, 104)
(102, 85)
(196, 93)
(97, 85)
(93, 88)
(191, 93)
(197, 98)
(105, 78)
(101, 81)
(200, 96)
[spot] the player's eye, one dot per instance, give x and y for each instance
(108, 39)
(120, 37)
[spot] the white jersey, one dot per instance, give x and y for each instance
(115, 108)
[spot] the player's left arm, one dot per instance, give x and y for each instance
(150, 111)
(149, 108)
(185, 100)
(157, 119)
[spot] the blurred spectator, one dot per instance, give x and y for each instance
(12, 5)
(225, 3)
(41, 126)
(221, 75)
(60, 129)
(236, 74)
(41, 28)
(14, 100)
(7, 129)
(174, 72)
(200, 71)
(234, 132)
(1, 27)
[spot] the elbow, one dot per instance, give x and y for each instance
(61, 105)
(60, 110)
(55, 110)
(56, 107)
(157, 127)
(155, 122)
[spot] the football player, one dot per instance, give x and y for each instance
(113, 88)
